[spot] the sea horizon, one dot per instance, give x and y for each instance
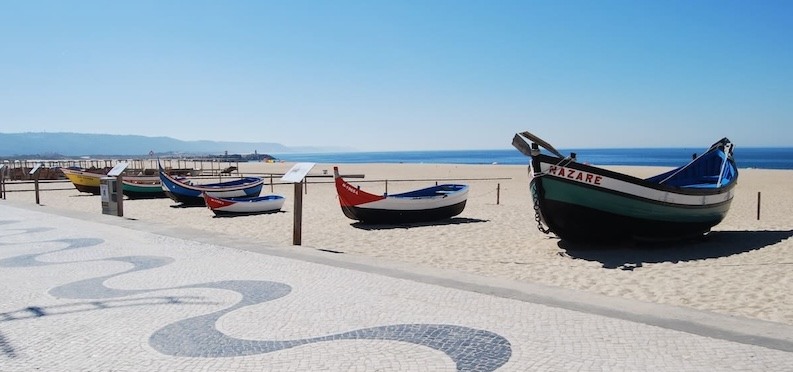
(745, 157)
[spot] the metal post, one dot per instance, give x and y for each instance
(298, 214)
(272, 188)
(498, 193)
(386, 187)
(758, 205)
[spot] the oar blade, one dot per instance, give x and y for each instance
(539, 141)
(521, 145)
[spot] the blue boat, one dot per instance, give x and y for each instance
(188, 193)
(586, 204)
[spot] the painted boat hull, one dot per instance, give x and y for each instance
(84, 181)
(582, 215)
(393, 216)
(244, 206)
(142, 187)
(191, 195)
(585, 204)
(133, 187)
(424, 205)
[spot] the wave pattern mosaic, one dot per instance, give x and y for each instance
(470, 349)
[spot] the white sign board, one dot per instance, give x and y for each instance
(104, 192)
(36, 168)
(117, 169)
(298, 172)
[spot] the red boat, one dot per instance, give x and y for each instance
(243, 206)
(428, 204)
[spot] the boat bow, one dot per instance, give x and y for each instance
(580, 202)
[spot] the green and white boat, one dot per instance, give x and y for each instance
(142, 187)
(581, 203)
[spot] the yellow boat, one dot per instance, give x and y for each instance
(134, 187)
(84, 180)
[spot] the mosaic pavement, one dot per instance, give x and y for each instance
(82, 295)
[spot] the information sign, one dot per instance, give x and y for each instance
(35, 169)
(298, 172)
(118, 169)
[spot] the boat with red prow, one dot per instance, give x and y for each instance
(189, 193)
(244, 206)
(428, 204)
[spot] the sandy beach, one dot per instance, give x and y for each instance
(744, 268)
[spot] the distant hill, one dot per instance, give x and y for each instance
(82, 144)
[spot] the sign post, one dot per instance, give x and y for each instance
(35, 173)
(296, 175)
(116, 172)
(2, 181)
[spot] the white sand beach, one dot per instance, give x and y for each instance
(744, 268)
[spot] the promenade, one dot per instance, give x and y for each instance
(89, 292)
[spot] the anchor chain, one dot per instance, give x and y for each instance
(537, 216)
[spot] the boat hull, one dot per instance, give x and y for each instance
(227, 207)
(425, 205)
(142, 187)
(582, 215)
(84, 181)
(586, 204)
(191, 195)
(395, 216)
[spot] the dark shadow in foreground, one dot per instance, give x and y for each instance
(449, 221)
(32, 312)
(714, 245)
(6, 348)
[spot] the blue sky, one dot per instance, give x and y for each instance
(403, 75)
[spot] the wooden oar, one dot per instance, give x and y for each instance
(541, 142)
(521, 145)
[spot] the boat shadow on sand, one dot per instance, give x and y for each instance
(715, 245)
(183, 205)
(248, 214)
(450, 221)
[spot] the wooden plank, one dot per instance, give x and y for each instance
(297, 230)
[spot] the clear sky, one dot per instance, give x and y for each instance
(403, 75)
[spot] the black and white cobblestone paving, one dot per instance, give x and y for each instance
(80, 295)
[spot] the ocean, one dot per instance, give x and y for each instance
(763, 158)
